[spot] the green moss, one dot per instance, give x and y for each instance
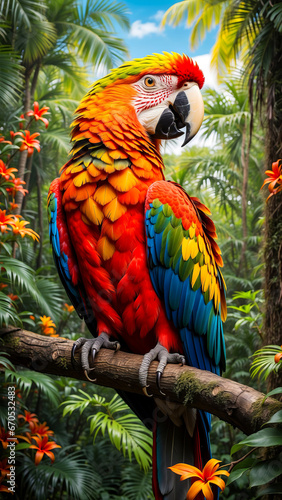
(11, 342)
(189, 385)
(259, 409)
(62, 362)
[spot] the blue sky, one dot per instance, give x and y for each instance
(145, 36)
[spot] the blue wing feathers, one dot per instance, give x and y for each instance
(189, 308)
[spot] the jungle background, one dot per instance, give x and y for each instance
(80, 441)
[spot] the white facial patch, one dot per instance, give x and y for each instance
(150, 96)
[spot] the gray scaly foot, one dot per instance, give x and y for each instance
(92, 347)
(164, 357)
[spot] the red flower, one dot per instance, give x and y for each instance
(29, 142)
(275, 178)
(30, 418)
(12, 296)
(6, 220)
(22, 118)
(13, 134)
(37, 113)
(43, 448)
(4, 437)
(208, 475)
(6, 172)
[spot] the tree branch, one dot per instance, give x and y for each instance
(238, 404)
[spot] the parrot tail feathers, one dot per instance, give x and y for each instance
(174, 444)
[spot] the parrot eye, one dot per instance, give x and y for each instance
(150, 81)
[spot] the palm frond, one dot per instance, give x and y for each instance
(70, 472)
(126, 432)
(264, 364)
(11, 76)
(8, 313)
(136, 485)
(27, 379)
(49, 297)
(106, 14)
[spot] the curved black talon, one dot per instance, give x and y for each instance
(73, 362)
(93, 354)
(158, 381)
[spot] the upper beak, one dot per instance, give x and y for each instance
(185, 109)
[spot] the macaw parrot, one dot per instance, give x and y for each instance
(136, 254)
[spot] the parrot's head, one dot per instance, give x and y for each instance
(162, 89)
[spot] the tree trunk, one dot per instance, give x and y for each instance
(273, 249)
(23, 154)
(27, 181)
(245, 153)
(40, 219)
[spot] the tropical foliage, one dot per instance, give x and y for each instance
(90, 445)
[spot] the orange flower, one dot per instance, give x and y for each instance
(26, 438)
(13, 205)
(30, 418)
(4, 437)
(2, 285)
(47, 325)
(17, 187)
(29, 142)
(3, 487)
(278, 356)
(2, 139)
(12, 296)
(68, 308)
(208, 475)
(42, 430)
(19, 228)
(6, 172)
(4, 467)
(43, 448)
(37, 113)
(6, 220)
(32, 317)
(275, 178)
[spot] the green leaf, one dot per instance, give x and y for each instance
(274, 488)
(264, 472)
(261, 439)
(276, 418)
(278, 390)
(236, 474)
(27, 379)
(22, 446)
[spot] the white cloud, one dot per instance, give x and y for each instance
(139, 29)
(204, 63)
(158, 16)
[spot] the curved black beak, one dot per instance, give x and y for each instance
(173, 119)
